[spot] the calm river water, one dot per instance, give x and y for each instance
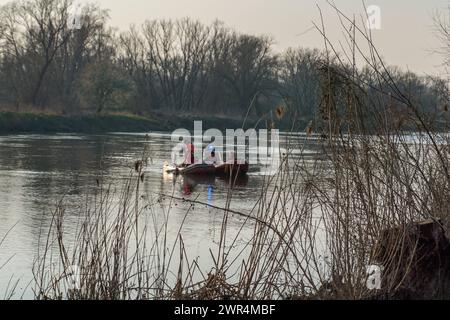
(37, 170)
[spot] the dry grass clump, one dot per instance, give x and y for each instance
(317, 225)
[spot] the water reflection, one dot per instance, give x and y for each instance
(190, 183)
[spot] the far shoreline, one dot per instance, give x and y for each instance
(50, 123)
(47, 123)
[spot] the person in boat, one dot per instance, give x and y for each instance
(183, 155)
(190, 152)
(211, 157)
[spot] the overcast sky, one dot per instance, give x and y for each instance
(406, 37)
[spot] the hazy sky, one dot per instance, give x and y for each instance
(406, 37)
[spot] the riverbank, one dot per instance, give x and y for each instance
(11, 122)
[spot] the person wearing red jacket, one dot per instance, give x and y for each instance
(189, 154)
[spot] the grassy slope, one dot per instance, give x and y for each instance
(11, 122)
(41, 123)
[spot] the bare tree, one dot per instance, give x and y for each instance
(247, 66)
(46, 32)
(442, 25)
(79, 50)
(300, 81)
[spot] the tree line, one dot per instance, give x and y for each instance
(54, 55)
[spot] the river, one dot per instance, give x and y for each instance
(38, 170)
